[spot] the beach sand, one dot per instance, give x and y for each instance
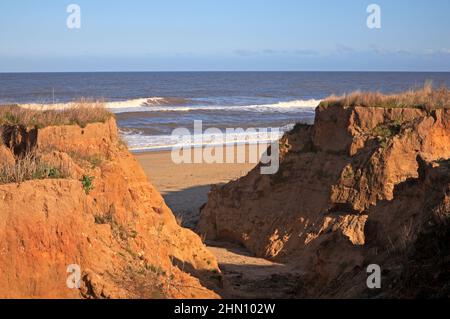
(185, 187)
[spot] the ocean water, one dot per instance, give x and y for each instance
(149, 106)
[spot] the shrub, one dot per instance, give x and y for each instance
(385, 132)
(103, 219)
(87, 182)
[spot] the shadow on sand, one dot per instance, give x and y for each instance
(186, 203)
(243, 275)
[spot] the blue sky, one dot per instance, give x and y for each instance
(205, 35)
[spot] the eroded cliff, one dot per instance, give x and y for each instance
(87, 202)
(363, 185)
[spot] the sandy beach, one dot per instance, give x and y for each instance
(185, 187)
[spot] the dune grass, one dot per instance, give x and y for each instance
(426, 98)
(80, 113)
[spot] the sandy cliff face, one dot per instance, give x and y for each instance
(337, 186)
(119, 231)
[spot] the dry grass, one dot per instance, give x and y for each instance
(180, 220)
(427, 98)
(30, 167)
(80, 113)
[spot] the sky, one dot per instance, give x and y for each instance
(224, 35)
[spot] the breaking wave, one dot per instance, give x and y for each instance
(167, 104)
(290, 106)
(138, 142)
(115, 105)
(147, 102)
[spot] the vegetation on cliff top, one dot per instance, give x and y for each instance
(427, 98)
(30, 167)
(32, 164)
(80, 113)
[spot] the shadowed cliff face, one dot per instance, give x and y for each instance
(101, 214)
(339, 184)
(18, 139)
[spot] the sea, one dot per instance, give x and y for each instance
(149, 106)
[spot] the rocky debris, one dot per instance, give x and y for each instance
(332, 192)
(104, 217)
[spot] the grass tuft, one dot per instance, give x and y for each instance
(30, 167)
(88, 183)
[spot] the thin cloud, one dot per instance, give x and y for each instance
(442, 51)
(382, 51)
(270, 52)
(342, 48)
(302, 52)
(246, 53)
(306, 52)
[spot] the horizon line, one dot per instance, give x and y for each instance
(228, 71)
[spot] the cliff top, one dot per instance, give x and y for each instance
(427, 98)
(81, 113)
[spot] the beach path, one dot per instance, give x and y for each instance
(185, 188)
